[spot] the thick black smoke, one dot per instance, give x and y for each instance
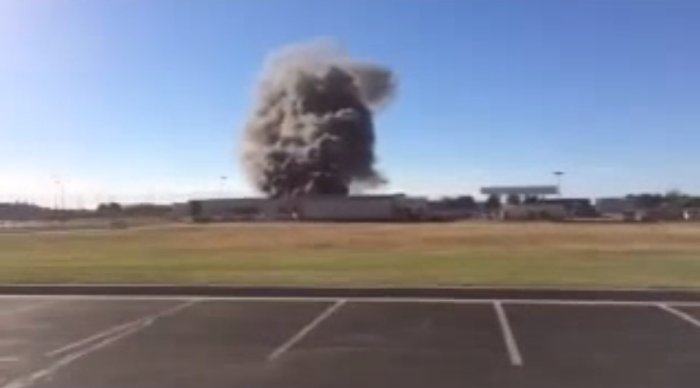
(312, 129)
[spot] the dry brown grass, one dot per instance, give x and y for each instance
(430, 237)
(409, 254)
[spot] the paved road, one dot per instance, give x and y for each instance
(312, 343)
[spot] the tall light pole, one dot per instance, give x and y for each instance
(558, 176)
(222, 187)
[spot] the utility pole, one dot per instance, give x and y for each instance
(558, 176)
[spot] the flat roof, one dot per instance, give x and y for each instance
(522, 190)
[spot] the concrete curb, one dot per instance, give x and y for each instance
(472, 293)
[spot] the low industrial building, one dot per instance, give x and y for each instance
(574, 207)
(534, 202)
(534, 212)
(691, 214)
(535, 191)
(352, 208)
(612, 205)
(231, 209)
(360, 208)
(307, 208)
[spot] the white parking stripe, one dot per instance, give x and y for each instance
(513, 352)
(114, 330)
(306, 330)
(9, 359)
(68, 359)
(680, 314)
(106, 333)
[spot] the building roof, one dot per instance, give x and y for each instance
(520, 190)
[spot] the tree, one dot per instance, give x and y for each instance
(466, 202)
(493, 202)
(513, 199)
(693, 202)
(646, 201)
(196, 210)
(115, 208)
(675, 198)
(102, 209)
(111, 209)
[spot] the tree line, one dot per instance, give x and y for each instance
(673, 198)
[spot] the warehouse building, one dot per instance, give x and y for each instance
(613, 205)
(536, 191)
(361, 208)
(231, 209)
(306, 208)
(534, 212)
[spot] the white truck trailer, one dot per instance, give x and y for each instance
(231, 209)
(353, 208)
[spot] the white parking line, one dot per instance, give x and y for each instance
(114, 330)
(68, 359)
(9, 359)
(305, 330)
(513, 352)
(106, 333)
(22, 309)
(680, 314)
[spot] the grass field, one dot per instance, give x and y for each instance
(492, 254)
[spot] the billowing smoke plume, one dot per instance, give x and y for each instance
(312, 129)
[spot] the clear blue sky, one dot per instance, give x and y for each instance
(148, 97)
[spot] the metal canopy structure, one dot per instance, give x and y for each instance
(520, 190)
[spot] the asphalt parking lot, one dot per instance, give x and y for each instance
(150, 342)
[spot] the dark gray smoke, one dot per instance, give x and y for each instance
(312, 129)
